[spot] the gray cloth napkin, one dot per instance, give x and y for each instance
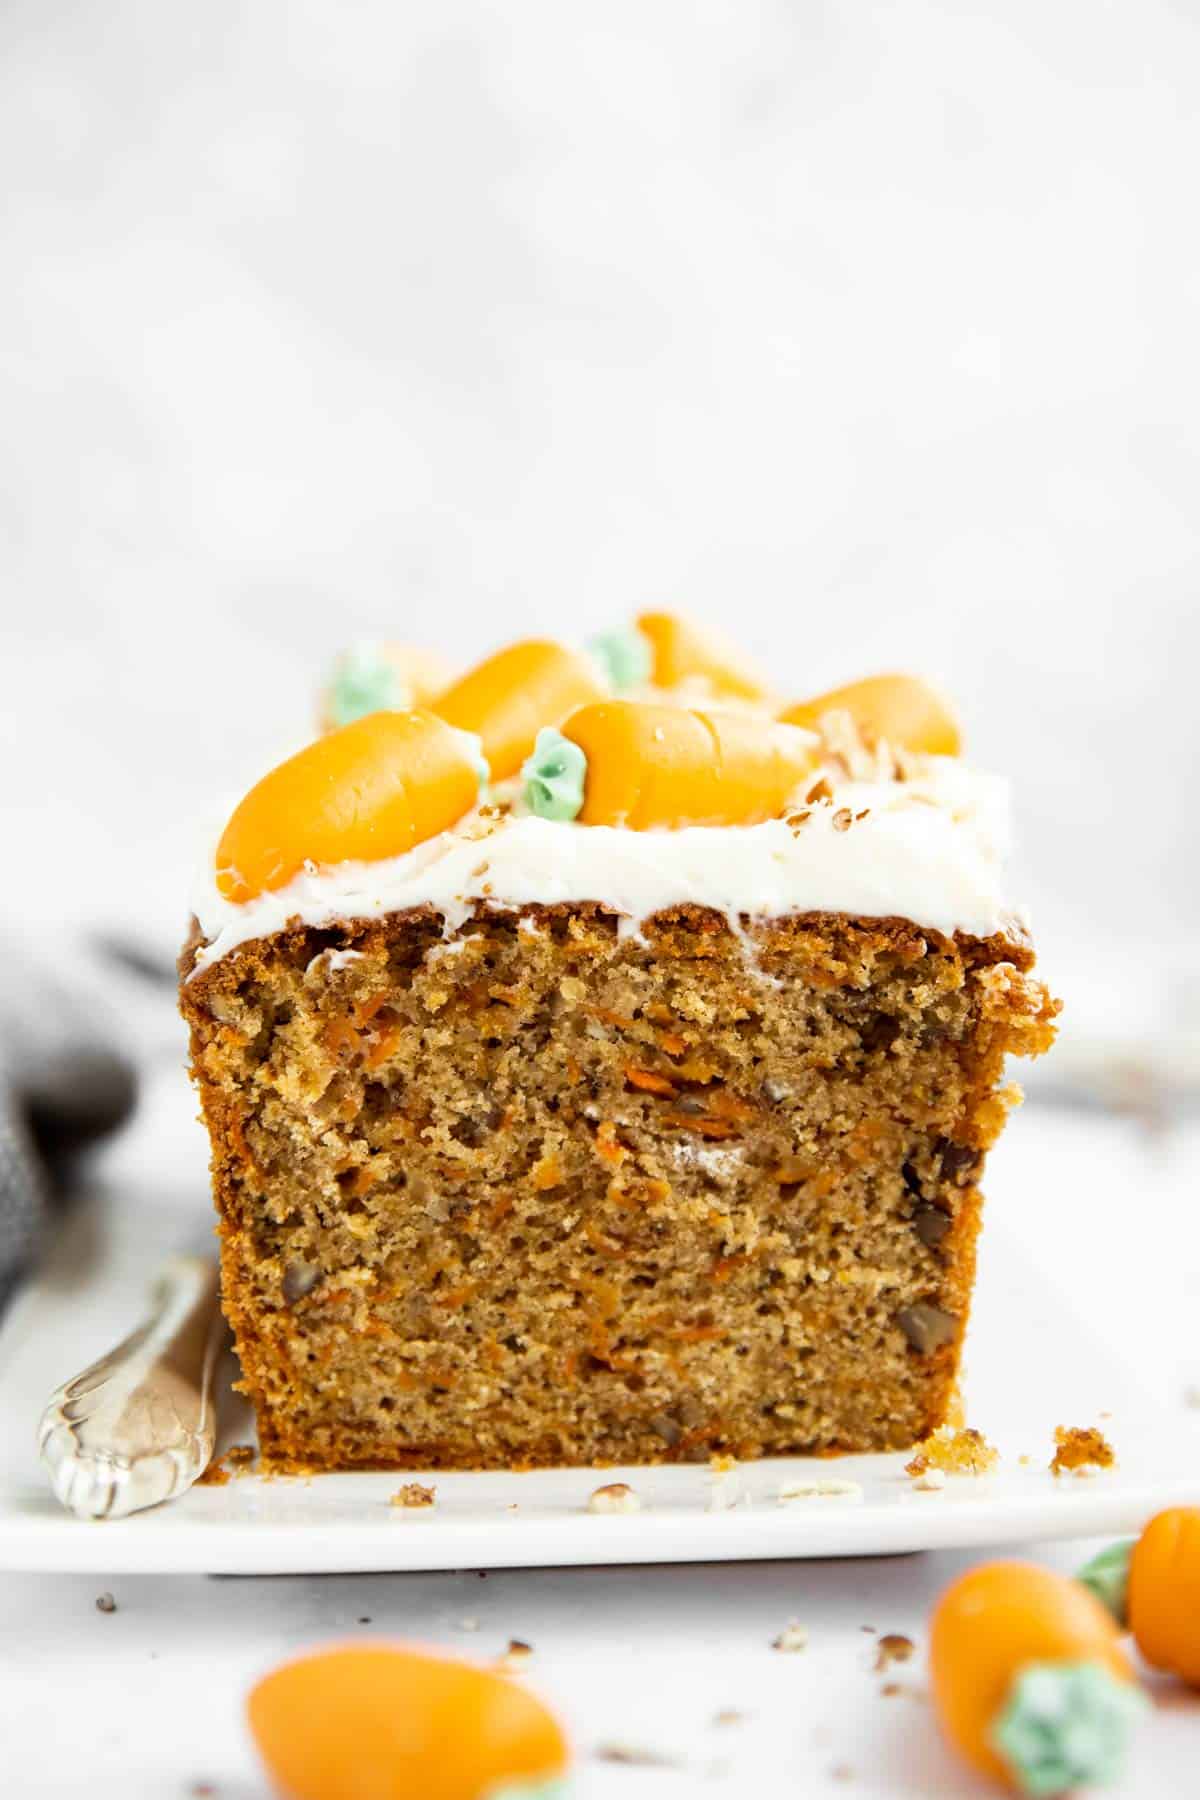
(64, 1082)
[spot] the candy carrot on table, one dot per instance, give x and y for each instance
(641, 766)
(907, 712)
(376, 677)
(1029, 1680)
(373, 789)
(683, 652)
(1151, 1585)
(510, 696)
(387, 1722)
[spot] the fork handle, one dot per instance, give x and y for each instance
(138, 1427)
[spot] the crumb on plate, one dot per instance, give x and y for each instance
(614, 1497)
(820, 1490)
(793, 1637)
(1080, 1449)
(955, 1451)
(413, 1493)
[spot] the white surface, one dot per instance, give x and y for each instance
(640, 1656)
(867, 331)
(1055, 1370)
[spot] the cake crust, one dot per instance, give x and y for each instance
(547, 1191)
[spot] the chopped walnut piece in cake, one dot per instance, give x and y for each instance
(954, 1452)
(615, 1497)
(1080, 1450)
(413, 1493)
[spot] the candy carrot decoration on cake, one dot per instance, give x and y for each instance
(1030, 1683)
(684, 652)
(907, 712)
(510, 696)
(393, 1723)
(372, 677)
(628, 763)
(373, 789)
(1151, 1585)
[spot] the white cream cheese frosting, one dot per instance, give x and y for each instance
(929, 849)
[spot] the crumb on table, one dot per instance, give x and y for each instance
(893, 1647)
(1080, 1449)
(518, 1652)
(413, 1493)
(955, 1451)
(792, 1638)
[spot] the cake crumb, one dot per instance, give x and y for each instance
(930, 1481)
(723, 1483)
(517, 1654)
(890, 1689)
(841, 1772)
(728, 1715)
(413, 1494)
(820, 1490)
(1081, 1450)
(793, 1637)
(954, 1451)
(1025, 1461)
(237, 1460)
(105, 1603)
(615, 1497)
(893, 1647)
(634, 1757)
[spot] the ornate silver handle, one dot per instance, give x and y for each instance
(138, 1427)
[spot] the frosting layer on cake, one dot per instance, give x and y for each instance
(930, 849)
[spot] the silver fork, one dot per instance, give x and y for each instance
(138, 1427)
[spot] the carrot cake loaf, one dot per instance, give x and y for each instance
(599, 1059)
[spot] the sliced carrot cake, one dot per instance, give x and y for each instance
(599, 1060)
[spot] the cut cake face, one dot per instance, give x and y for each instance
(545, 1141)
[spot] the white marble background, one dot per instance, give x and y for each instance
(870, 329)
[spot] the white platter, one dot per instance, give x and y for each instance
(1030, 1365)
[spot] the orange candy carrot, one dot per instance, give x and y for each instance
(1030, 1683)
(905, 711)
(386, 1722)
(686, 652)
(1164, 1592)
(1151, 1585)
(511, 695)
(370, 678)
(651, 766)
(373, 789)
